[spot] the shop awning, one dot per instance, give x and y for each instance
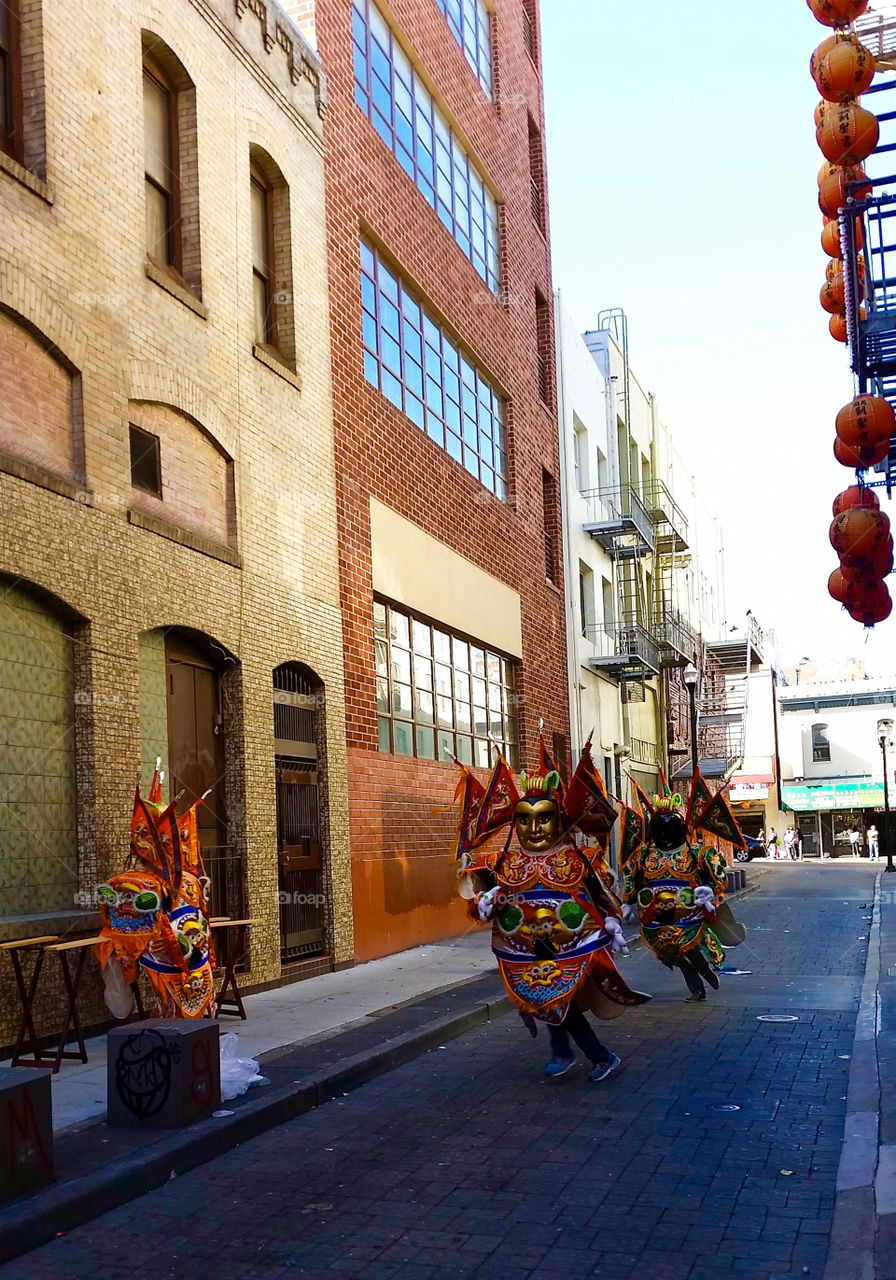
(807, 796)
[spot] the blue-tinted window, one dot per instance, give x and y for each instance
(409, 359)
(471, 27)
(403, 113)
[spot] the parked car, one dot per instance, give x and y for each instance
(754, 849)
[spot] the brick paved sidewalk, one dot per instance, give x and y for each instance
(464, 1162)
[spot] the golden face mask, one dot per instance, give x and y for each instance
(537, 824)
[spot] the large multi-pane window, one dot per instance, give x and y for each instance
(10, 80)
(439, 695)
(389, 92)
(416, 366)
(471, 27)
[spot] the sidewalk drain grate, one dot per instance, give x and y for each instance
(777, 1017)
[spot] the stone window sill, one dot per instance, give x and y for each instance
(168, 282)
(272, 359)
(33, 473)
(26, 178)
(186, 537)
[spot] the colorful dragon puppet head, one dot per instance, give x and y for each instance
(155, 914)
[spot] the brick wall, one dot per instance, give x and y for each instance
(72, 269)
(381, 453)
(36, 405)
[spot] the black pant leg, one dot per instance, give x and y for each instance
(584, 1035)
(691, 976)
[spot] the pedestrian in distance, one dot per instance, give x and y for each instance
(789, 852)
(798, 843)
(855, 841)
(771, 843)
(873, 843)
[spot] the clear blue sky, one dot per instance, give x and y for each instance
(682, 176)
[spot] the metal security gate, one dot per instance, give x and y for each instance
(297, 701)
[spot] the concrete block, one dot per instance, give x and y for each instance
(26, 1131)
(163, 1073)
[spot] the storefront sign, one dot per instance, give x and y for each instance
(833, 795)
(749, 786)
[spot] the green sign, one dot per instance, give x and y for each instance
(833, 795)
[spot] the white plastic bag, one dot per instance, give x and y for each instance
(237, 1074)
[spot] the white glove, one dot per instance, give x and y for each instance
(703, 897)
(629, 912)
(486, 904)
(614, 929)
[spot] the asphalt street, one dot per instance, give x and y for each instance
(712, 1154)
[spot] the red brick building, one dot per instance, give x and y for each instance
(445, 420)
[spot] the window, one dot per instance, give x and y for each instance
(10, 81)
(160, 162)
(549, 508)
(418, 368)
(530, 28)
(586, 598)
(402, 111)
(608, 604)
(580, 454)
(262, 259)
(821, 747)
(545, 357)
(271, 256)
(146, 462)
(438, 694)
(171, 168)
(536, 177)
(471, 27)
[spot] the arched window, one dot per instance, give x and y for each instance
(821, 747)
(272, 287)
(299, 726)
(171, 180)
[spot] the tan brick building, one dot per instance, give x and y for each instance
(446, 432)
(168, 546)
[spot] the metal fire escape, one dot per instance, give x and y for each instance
(634, 522)
(723, 705)
(872, 338)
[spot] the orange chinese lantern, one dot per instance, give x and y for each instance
(859, 532)
(837, 326)
(839, 586)
(866, 420)
(830, 238)
(860, 459)
(832, 192)
(848, 134)
(835, 268)
(875, 608)
(837, 13)
(823, 49)
(855, 496)
(832, 294)
(821, 110)
(845, 71)
(865, 570)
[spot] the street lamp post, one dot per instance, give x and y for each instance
(885, 738)
(690, 676)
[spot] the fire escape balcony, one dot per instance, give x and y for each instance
(619, 521)
(669, 521)
(676, 640)
(625, 652)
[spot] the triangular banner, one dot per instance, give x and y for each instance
(547, 763)
(632, 834)
(587, 806)
(496, 808)
(468, 795)
(643, 802)
(701, 798)
(718, 818)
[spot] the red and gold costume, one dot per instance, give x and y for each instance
(555, 918)
(155, 915)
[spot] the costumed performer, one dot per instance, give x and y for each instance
(155, 914)
(555, 920)
(677, 882)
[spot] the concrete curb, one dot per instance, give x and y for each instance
(853, 1231)
(28, 1223)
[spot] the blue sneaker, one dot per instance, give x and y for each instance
(603, 1069)
(559, 1067)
